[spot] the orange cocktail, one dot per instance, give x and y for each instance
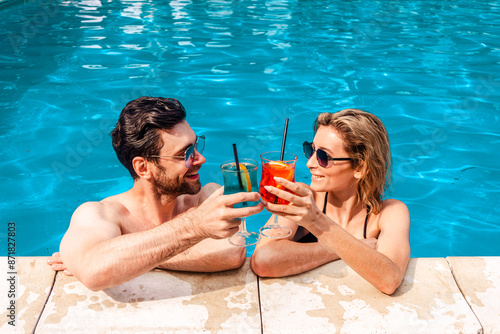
(273, 169)
(273, 165)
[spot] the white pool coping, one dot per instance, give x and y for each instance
(438, 295)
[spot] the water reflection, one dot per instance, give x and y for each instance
(429, 69)
(179, 9)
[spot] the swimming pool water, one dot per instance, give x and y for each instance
(428, 69)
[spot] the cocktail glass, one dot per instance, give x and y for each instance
(273, 165)
(247, 183)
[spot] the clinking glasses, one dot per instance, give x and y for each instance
(199, 145)
(323, 157)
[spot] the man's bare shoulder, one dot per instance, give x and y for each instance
(189, 202)
(207, 190)
(109, 209)
(92, 222)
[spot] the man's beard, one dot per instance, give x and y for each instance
(173, 187)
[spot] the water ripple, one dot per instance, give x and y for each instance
(428, 69)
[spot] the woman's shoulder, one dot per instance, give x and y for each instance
(394, 210)
(393, 204)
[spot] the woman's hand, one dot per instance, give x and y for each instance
(302, 209)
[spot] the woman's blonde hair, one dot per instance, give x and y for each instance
(367, 143)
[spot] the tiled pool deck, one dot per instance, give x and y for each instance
(438, 295)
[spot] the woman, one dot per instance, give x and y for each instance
(341, 215)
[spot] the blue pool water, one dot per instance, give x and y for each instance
(429, 69)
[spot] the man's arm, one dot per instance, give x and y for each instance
(94, 250)
(210, 255)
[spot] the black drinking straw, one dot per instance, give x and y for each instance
(237, 165)
(284, 140)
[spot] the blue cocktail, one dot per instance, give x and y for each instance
(244, 180)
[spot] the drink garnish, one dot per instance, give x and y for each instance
(245, 178)
(279, 165)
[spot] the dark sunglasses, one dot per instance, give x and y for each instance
(199, 145)
(323, 157)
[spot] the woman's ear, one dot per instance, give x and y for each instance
(360, 171)
(141, 167)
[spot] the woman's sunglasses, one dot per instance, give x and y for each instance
(323, 157)
(199, 145)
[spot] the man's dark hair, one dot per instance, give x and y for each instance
(137, 132)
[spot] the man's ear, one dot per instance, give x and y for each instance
(142, 167)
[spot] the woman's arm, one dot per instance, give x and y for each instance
(284, 257)
(384, 267)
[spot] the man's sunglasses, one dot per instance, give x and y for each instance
(323, 157)
(199, 145)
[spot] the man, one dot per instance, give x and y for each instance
(166, 220)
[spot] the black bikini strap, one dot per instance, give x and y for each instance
(324, 205)
(366, 221)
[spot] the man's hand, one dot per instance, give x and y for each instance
(216, 218)
(56, 263)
